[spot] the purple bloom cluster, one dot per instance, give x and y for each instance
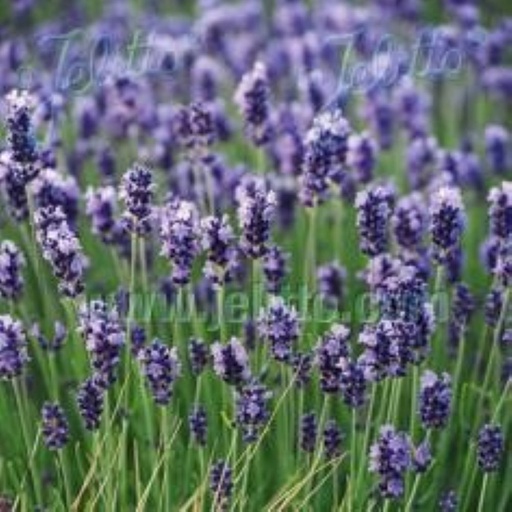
(13, 348)
(90, 399)
(11, 266)
(161, 367)
(362, 156)
(137, 193)
(198, 355)
(374, 208)
(198, 424)
(352, 382)
(490, 447)
(447, 221)
(308, 432)
(331, 279)
(104, 339)
(231, 362)
(252, 409)
(390, 458)
(256, 208)
(221, 484)
(55, 426)
(274, 268)
(252, 98)
(101, 208)
(279, 324)
(326, 147)
(179, 233)
(332, 347)
(332, 439)
(435, 399)
(410, 221)
(218, 239)
(496, 144)
(61, 248)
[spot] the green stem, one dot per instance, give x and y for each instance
(482, 493)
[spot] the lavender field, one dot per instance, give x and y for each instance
(256, 256)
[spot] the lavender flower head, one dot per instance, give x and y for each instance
(362, 156)
(279, 324)
(179, 233)
(435, 399)
(374, 208)
(448, 502)
(330, 349)
(447, 221)
(12, 262)
(61, 248)
(217, 239)
(490, 447)
(496, 145)
(390, 458)
(137, 193)
(161, 367)
(252, 98)
(101, 206)
(422, 457)
(331, 279)
(198, 425)
(500, 211)
(252, 409)
(198, 355)
(21, 142)
(221, 484)
(326, 147)
(13, 348)
(352, 382)
(90, 399)
(410, 221)
(256, 207)
(55, 426)
(231, 362)
(274, 268)
(104, 339)
(332, 439)
(308, 432)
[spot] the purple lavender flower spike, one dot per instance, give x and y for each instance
(198, 355)
(13, 348)
(490, 447)
(218, 240)
(202, 128)
(422, 457)
(256, 207)
(447, 220)
(308, 432)
(435, 399)
(274, 268)
(352, 382)
(53, 344)
(12, 263)
(332, 439)
(374, 208)
(252, 98)
(500, 211)
(497, 140)
(61, 248)
(448, 502)
(137, 339)
(493, 306)
(221, 484)
(90, 399)
(331, 279)
(326, 147)
(101, 208)
(137, 193)
(279, 324)
(390, 458)
(362, 156)
(55, 426)
(104, 339)
(330, 349)
(422, 161)
(161, 367)
(410, 221)
(252, 409)
(179, 233)
(198, 425)
(231, 362)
